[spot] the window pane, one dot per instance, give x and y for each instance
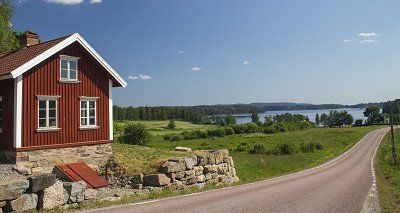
(64, 74)
(92, 112)
(42, 122)
(52, 104)
(64, 64)
(83, 121)
(42, 113)
(91, 104)
(52, 113)
(83, 104)
(92, 121)
(72, 75)
(72, 65)
(83, 113)
(42, 104)
(52, 122)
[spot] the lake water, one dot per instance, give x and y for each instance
(355, 112)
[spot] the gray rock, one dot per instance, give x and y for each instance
(90, 194)
(177, 185)
(41, 182)
(202, 160)
(12, 189)
(25, 202)
(183, 149)
(21, 170)
(137, 186)
(2, 204)
(171, 166)
(190, 162)
(53, 197)
(76, 191)
(156, 180)
(208, 176)
(179, 175)
(190, 174)
(210, 169)
(201, 178)
(198, 170)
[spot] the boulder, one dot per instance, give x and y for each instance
(171, 176)
(12, 189)
(202, 160)
(21, 170)
(76, 191)
(41, 182)
(25, 202)
(90, 194)
(137, 186)
(210, 169)
(198, 170)
(183, 149)
(190, 162)
(177, 185)
(53, 197)
(156, 180)
(171, 166)
(37, 170)
(137, 179)
(208, 176)
(190, 174)
(211, 159)
(179, 175)
(201, 178)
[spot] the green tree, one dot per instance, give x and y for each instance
(324, 119)
(373, 113)
(136, 134)
(230, 120)
(268, 120)
(8, 39)
(255, 118)
(317, 119)
(219, 121)
(171, 124)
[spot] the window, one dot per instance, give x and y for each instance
(88, 112)
(69, 69)
(48, 112)
(1, 114)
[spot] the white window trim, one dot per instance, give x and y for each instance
(87, 99)
(2, 114)
(69, 58)
(47, 98)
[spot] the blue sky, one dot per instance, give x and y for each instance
(190, 52)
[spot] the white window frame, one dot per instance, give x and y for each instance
(47, 99)
(1, 114)
(69, 59)
(87, 100)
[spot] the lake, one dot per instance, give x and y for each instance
(357, 113)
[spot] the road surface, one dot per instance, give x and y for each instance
(341, 185)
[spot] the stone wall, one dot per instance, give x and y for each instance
(43, 161)
(210, 167)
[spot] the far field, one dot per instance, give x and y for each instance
(250, 167)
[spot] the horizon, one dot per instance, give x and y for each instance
(180, 53)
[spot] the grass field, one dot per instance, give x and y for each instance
(250, 167)
(388, 175)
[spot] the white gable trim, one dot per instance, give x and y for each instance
(66, 42)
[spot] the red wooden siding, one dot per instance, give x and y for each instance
(7, 92)
(43, 80)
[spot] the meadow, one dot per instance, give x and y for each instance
(250, 167)
(388, 175)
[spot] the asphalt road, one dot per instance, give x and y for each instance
(341, 185)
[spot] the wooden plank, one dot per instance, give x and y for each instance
(80, 171)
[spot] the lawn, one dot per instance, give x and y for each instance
(388, 175)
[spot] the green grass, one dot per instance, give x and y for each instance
(160, 127)
(388, 175)
(257, 167)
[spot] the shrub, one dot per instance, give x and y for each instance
(251, 128)
(280, 127)
(238, 129)
(308, 147)
(176, 138)
(136, 134)
(167, 137)
(287, 149)
(229, 130)
(219, 132)
(269, 130)
(257, 149)
(358, 122)
(230, 120)
(200, 134)
(243, 147)
(171, 124)
(189, 135)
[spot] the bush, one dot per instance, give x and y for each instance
(219, 132)
(136, 134)
(257, 149)
(200, 134)
(308, 147)
(171, 124)
(176, 138)
(269, 130)
(189, 135)
(280, 127)
(358, 122)
(167, 137)
(229, 130)
(243, 147)
(287, 149)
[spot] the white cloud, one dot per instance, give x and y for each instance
(66, 2)
(246, 61)
(144, 77)
(95, 1)
(370, 34)
(140, 77)
(181, 52)
(369, 40)
(196, 69)
(346, 40)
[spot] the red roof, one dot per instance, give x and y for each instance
(12, 60)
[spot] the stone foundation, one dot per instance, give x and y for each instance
(40, 161)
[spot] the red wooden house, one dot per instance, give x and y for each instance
(55, 97)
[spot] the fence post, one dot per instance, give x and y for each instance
(394, 154)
